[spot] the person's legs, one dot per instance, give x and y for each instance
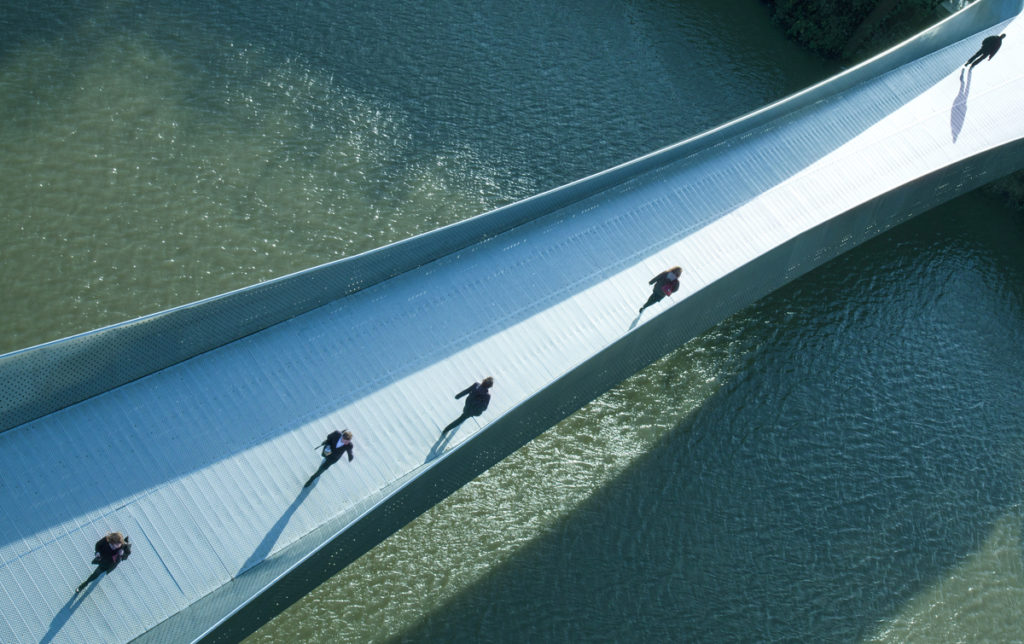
(975, 59)
(323, 468)
(93, 577)
(455, 423)
(655, 297)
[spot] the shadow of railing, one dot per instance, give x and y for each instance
(759, 519)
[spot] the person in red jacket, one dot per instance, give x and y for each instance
(110, 551)
(665, 284)
(336, 444)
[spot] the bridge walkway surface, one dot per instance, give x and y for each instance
(202, 463)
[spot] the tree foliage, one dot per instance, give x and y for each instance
(828, 27)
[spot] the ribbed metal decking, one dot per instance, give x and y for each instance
(202, 463)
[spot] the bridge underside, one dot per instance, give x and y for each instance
(202, 462)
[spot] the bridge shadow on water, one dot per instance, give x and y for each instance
(807, 500)
(713, 537)
(733, 532)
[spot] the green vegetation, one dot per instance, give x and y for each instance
(1010, 190)
(852, 29)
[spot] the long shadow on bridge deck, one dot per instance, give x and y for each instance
(61, 618)
(267, 544)
(958, 113)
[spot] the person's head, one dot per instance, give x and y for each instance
(115, 539)
(347, 435)
(487, 382)
(677, 271)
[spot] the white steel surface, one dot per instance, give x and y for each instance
(202, 464)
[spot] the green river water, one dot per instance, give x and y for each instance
(840, 462)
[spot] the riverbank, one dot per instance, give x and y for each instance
(864, 28)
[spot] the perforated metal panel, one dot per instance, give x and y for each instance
(202, 461)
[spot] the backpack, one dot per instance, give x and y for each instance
(329, 443)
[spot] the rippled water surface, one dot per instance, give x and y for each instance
(839, 462)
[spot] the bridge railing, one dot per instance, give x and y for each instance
(43, 379)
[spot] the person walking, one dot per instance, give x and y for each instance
(665, 284)
(477, 398)
(336, 444)
(110, 551)
(989, 47)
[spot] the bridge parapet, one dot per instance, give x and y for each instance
(541, 294)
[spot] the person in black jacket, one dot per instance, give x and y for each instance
(110, 551)
(665, 284)
(477, 398)
(989, 47)
(336, 444)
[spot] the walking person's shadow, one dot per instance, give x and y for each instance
(959, 111)
(62, 617)
(262, 550)
(440, 445)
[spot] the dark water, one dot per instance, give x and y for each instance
(844, 468)
(836, 463)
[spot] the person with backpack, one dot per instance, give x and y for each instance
(665, 284)
(110, 551)
(477, 398)
(336, 444)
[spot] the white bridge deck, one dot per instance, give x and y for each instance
(202, 463)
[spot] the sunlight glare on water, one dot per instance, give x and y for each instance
(839, 462)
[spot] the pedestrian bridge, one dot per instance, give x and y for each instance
(193, 430)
